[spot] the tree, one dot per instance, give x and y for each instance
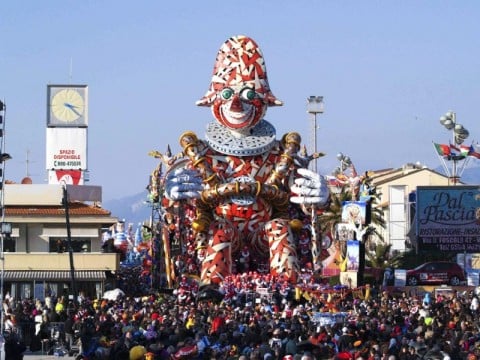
(372, 236)
(332, 216)
(382, 257)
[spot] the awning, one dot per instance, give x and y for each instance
(75, 232)
(31, 275)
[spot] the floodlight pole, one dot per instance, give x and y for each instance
(314, 107)
(459, 135)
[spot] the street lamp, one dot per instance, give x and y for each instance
(314, 107)
(459, 135)
(449, 121)
(345, 163)
(6, 228)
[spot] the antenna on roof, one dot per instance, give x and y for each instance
(27, 164)
(70, 75)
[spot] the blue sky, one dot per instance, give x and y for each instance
(387, 69)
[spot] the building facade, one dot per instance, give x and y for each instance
(396, 196)
(36, 259)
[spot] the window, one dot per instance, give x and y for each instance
(9, 244)
(397, 222)
(60, 244)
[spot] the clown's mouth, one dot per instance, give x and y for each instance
(237, 120)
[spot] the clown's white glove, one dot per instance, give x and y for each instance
(183, 184)
(310, 189)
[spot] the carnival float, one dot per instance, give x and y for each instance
(238, 205)
(239, 199)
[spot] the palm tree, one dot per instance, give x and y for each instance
(332, 216)
(372, 236)
(382, 257)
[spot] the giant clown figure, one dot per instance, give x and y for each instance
(243, 178)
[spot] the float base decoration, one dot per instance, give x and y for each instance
(331, 297)
(349, 278)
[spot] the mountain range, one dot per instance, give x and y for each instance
(133, 208)
(136, 209)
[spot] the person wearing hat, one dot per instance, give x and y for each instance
(345, 341)
(393, 347)
(137, 352)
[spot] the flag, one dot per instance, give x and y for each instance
(472, 152)
(465, 150)
(456, 153)
(454, 149)
(442, 149)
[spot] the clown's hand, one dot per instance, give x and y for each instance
(310, 189)
(183, 184)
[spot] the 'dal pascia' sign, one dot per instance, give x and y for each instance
(448, 218)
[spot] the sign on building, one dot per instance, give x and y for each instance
(448, 218)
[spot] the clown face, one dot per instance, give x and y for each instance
(238, 108)
(239, 92)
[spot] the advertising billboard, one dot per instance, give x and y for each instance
(448, 218)
(66, 149)
(66, 177)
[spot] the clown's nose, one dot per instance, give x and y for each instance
(236, 105)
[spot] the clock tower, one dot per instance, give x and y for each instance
(67, 127)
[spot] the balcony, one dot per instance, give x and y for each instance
(61, 261)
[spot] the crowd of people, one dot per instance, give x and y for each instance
(305, 321)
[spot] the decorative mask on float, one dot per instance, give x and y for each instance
(239, 93)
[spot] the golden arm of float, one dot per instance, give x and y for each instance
(271, 190)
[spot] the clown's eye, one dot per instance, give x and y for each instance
(247, 94)
(227, 93)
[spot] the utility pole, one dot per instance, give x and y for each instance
(69, 244)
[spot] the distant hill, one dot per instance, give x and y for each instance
(133, 209)
(471, 174)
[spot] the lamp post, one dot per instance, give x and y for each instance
(314, 107)
(6, 228)
(345, 162)
(459, 135)
(69, 244)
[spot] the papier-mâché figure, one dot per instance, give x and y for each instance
(243, 178)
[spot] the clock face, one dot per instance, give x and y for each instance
(68, 105)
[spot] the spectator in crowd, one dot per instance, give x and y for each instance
(344, 324)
